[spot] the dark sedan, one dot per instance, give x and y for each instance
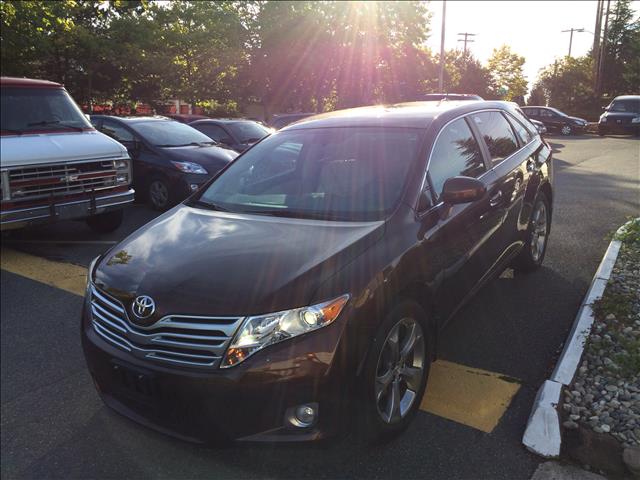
(622, 115)
(238, 134)
(303, 290)
(555, 120)
(170, 159)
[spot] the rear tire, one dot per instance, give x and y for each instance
(394, 378)
(106, 222)
(566, 130)
(532, 254)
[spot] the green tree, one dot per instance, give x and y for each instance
(465, 74)
(621, 74)
(506, 70)
(537, 95)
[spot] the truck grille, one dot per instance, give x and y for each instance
(191, 341)
(65, 179)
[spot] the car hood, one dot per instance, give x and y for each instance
(43, 148)
(200, 262)
(578, 119)
(208, 156)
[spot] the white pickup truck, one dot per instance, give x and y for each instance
(53, 164)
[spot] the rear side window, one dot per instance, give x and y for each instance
(522, 133)
(532, 112)
(497, 134)
(455, 153)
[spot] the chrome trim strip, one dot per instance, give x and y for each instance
(129, 192)
(112, 304)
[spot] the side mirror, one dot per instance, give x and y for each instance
(462, 190)
(132, 146)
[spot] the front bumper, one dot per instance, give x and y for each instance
(615, 127)
(247, 402)
(85, 207)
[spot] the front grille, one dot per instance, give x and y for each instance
(191, 341)
(34, 183)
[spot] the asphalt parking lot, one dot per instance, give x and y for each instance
(55, 426)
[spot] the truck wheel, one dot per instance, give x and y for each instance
(395, 374)
(106, 222)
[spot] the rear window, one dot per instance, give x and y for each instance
(25, 110)
(497, 134)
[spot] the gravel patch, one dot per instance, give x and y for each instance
(605, 394)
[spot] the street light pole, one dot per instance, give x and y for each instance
(441, 78)
(571, 36)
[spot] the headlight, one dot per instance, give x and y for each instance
(190, 167)
(261, 331)
(635, 120)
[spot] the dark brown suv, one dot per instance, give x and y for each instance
(305, 285)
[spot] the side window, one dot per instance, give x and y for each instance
(116, 131)
(531, 112)
(546, 113)
(214, 132)
(497, 134)
(456, 152)
(522, 133)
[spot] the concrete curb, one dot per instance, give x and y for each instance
(542, 435)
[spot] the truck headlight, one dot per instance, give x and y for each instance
(260, 331)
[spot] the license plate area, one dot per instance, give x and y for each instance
(135, 383)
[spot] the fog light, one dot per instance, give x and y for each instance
(303, 416)
(194, 187)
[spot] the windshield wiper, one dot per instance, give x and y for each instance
(190, 144)
(208, 205)
(286, 213)
(55, 122)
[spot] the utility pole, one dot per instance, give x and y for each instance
(466, 40)
(441, 78)
(571, 36)
(603, 49)
(595, 51)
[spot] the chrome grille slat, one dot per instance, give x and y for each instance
(202, 344)
(59, 179)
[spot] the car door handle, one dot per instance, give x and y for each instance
(496, 199)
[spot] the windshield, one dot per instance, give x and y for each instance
(168, 133)
(632, 106)
(330, 173)
(31, 109)
(248, 132)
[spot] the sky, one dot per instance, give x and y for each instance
(531, 28)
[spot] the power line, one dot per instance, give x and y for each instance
(466, 40)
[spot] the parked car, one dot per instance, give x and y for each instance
(539, 126)
(555, 120)
(186, 117)
(430, 97)
(171, 160)
(281, 120)
(363, 231)
(622, 115)
(238, 134)
(53, 163)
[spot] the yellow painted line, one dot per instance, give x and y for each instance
(476, 398)
(65, 276)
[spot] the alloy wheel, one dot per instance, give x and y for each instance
(566, 130)
(539, 231)
(400, 370)
(159, 193)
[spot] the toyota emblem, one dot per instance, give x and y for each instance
(143, 306)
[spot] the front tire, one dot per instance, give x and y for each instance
(106, 222)
(395, 374)
(532, 254)
(159, 194)
(566, 130)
